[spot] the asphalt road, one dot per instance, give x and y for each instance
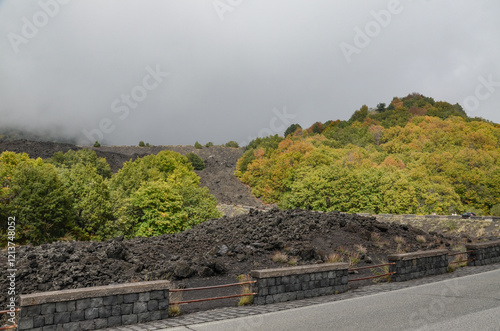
(465, 303)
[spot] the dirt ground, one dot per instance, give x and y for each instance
(216, 251)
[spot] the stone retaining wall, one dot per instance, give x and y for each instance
(419, 264)
(295, 283)
(389, 217)
(483, 253)
(95, 307)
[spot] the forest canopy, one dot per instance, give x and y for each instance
(415, 156)
(75, 196)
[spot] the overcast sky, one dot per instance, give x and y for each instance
(180, 71)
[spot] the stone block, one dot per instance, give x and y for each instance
(143, 317)
(82, 304)
(144, 297)
(96, 302)
(73, 326)
(50, 328)
(34, 310)
(49, 319)
(38, 321)
(61, 318)
(152, 305)
(114, 321)
(91, 313)
(87, 325)
(25, 323)
(100, 323)
(130, 298)
(129, 319)
(156, 295)
(116, 310)
(163, 304)
(71, 305)
(77, 315)
(155, 315)
(140, 307)
(127, 308)
(105, 311)
(48, 308)
(109, 300)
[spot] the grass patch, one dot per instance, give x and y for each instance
(293, 261)
(381, 271)
(245, 289)
(175, 309)
(399, 240)
(353, 258)
(280, 257)
(334, 258)
(361, 249)
(420, 239)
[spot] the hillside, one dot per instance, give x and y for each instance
(217, 176)
(416, 156)
(216, 251)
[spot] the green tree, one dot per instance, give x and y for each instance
(34, 194)
(96, 144)
(292, 128)
(196, 161)
(91, 200)
(381, 107)
(232, 143)
(141, 143)
(197, 145)
(82, 156)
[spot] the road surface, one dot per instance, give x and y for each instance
(465, 303)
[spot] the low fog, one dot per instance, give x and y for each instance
(176, 72)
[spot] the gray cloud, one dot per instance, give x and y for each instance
(226, 76)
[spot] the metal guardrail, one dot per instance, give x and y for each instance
(460, 253)
(209, 288)
(10, 326)
(371, 267)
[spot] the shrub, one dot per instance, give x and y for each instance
(399, 240)
(334, 258)
(421, 239)
(293, 261)
(353, 258)
(280, 257)
(245, 289)
(209, 144)
(141, 144)
(196, 161)
(381, 271)
(197, 145)
(232, 143)
(96, 144)
(175, 309)
(361, 249)
(495, 210)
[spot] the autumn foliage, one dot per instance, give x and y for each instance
(393, 161)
